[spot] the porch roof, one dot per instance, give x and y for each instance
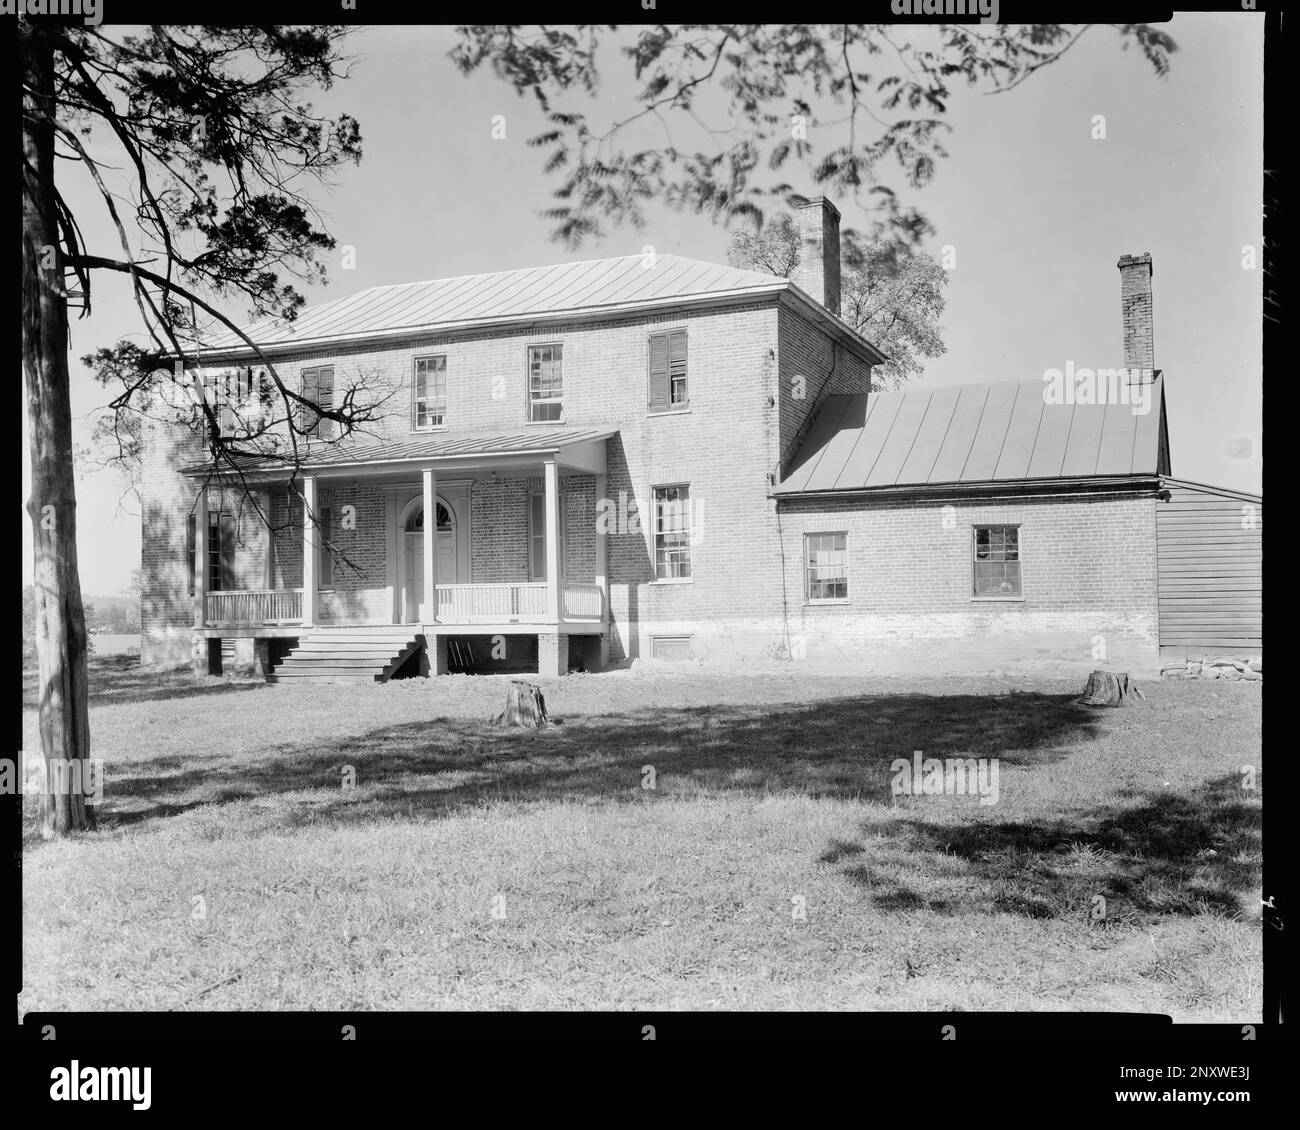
(534, 441)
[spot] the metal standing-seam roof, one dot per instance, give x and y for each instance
(975, 433)
(593, 284)
(479, 443)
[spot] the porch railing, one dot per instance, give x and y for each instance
(254, 606)
(459, 604)
(467, 603)
(583, 601)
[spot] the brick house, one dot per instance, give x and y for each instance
(652, 457)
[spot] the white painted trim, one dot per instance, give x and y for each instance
(550, 476)
(200, 562)
(310, 603)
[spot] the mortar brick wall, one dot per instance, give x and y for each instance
(359, 532)
(812, 367)
(1088, 568)
(167, 499)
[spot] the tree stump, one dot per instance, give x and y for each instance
(1105, 689)
(525, 707)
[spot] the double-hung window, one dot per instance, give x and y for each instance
(826, 567)
(429, 393)
(220, 549)
(996, 564)
(672, 532)
(545, 383)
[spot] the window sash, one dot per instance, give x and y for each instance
(995, 561)
(672, 532)
(221, 551)
(545, 383)
(429, 393)
(826, 566)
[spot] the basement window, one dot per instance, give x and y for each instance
(996, 564)
(670, 647)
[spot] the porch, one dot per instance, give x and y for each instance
(361, 538)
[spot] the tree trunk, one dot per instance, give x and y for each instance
(525, 707)
(1105, 689)
(61, 641)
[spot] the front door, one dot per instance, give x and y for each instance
(414, 578)
(416, 608)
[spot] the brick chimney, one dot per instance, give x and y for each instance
(818, 271)
(1135, 303)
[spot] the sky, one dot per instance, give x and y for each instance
(1035, 208)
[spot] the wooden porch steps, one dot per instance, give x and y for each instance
(368, 654)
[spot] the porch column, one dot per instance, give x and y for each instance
(201, 557)
(309, 552)
(430, 545)
(602, 486)
(268, 558)
(552, 539)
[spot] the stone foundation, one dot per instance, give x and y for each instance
(1215, 667)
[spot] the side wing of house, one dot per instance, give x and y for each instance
(974, 527)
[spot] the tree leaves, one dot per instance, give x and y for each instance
(892, 95)
(891, 295)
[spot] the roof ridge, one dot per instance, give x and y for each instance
(556, 266)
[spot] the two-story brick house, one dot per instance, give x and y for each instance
(652, 456)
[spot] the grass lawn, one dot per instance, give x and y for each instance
(771, 866)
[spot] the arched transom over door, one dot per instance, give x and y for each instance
(414, 605)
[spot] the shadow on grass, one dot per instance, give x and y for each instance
(1169, 852)
(1146, 856)
(120, 679)
(838, 747)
